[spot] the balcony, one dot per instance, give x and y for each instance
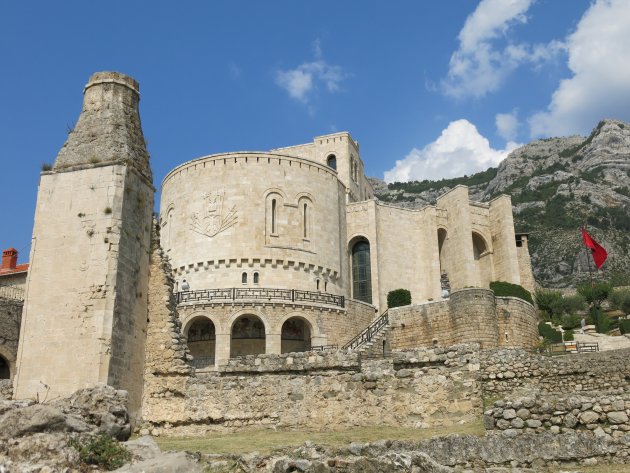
(259, 294)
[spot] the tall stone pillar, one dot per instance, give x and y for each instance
(85, 310)
(505, 256)
(459, 248)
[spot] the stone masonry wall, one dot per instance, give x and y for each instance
(320, 391)
(504, 371)
(603, 415)
(468, 316)
(10, 317)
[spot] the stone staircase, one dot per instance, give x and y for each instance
(369, 342)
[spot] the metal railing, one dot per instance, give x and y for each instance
(369, 333)
(324, 347)
(11, 292)
(261, 293)
(202, 362)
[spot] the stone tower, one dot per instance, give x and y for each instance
(85, 311)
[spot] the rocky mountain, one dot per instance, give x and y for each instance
(557, 185)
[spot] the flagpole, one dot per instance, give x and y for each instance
(590, 273)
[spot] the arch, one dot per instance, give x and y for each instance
(201, 338)
(305, 207)
(361, 270)
(274, 202)
(244, 278)
(166, 227)
(331, 161)
(189, 318)
(256, 277)
(247, 335)
(482, 259)
(295, 335)
(5, 368)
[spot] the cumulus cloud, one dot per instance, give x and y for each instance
(302, 81)
(600, 85)
(507, 125)
(460, 149)
(479, 66)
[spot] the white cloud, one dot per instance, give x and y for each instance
(460, 149)
(478, 66)
(304, 79)
(600, 85)
(507, 125)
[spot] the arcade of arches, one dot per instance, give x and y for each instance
(247, 337)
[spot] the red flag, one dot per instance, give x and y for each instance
(599, 253)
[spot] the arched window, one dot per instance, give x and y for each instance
(305, 220)
(273, 217)
(247, 336)
(201, 339)
(317, 283)
(256, 278)
(325, 286)
(244, 278)
(331, 161)
(295, 335)
(361, 272)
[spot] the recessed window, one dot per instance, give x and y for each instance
(273, 216)
(317, 283)
(361, 272)
(305, 221)
(325, 286)
(256, 278)
(331, 161)
(244, 278)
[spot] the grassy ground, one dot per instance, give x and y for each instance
(264, 441)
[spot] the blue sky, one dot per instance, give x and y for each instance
(429, 89)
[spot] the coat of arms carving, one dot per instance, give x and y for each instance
(213, 219)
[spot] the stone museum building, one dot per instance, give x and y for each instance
(269, 252)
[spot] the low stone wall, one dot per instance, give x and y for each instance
(604, 415)
(10, 318)
(504, 371)
(319, 391)
(468, 316)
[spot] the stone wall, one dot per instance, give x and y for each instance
(505, 371)
(468, 316)
(602, 414)
(10, 317)
(319, 391)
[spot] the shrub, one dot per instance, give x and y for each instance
(398, 297)
(506, 289)
(548, 333)
(46, 167)
(102, 450)
(624, 326)
(597, 293)
(568, 336)
(620, 300)
(570, 321)
(601, 321)
(572, 304)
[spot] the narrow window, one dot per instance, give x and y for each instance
(273, 216)
(256, 278)
(305, 219)
(317, 284)
(244, 278)
(325, 286)
(361, 272)
(331, 161)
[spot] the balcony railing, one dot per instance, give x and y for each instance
(259, 294)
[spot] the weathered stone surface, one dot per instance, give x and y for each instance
(617, 417)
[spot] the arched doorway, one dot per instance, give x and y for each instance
(361, 272)
(295, 335)
(5, 372)
(483, 259)
(201, 336)
(247, 336)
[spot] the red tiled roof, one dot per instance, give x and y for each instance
(20, 268)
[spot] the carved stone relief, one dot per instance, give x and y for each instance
(214, 218)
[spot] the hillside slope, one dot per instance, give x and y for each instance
(557, 185)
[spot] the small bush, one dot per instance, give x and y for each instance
(107, 210)
(548, 333)
(46, 167)
(568, 336)
(398, 298)
(601, 321)
(620, 300)
(624, 326)
(570, 321)
(102, 450)
(506, 289)
(546, 300)
(597, 293)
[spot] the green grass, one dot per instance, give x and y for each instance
(264, 441)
